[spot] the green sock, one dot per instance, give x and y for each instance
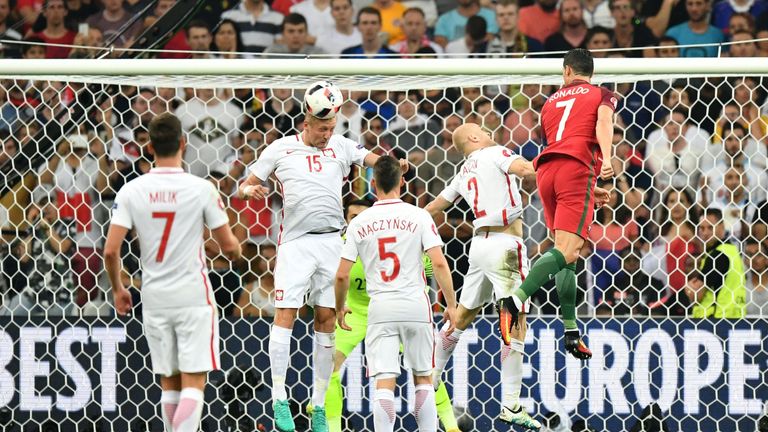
(566, 292)
(334, 398)
(544, 269)
(445, 409)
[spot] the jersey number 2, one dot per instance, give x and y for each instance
(472, 184)
(168, 216)
(384, 255)
(567, 104)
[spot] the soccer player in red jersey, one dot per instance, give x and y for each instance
(578, 123)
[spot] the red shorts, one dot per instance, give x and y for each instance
(566, 187)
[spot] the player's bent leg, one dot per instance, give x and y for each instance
(544, 269)
(191, 400)
(512, 374)
(425, 410)
(384, 403)
(445, 344)
(322, 360)
(565, 281)
(169, 399)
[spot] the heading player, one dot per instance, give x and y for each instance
(578, 123)
(498, 260)
(310, 168)
(390, 239)
(169, 210)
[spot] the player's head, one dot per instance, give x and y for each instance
(355, 208)
(577, 64)
(165, 136)
(470, 137)
(317, 131)
(387, 175)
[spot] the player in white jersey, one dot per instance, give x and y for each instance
(169, 210)
(390, 239)
(310, 168)
(498, 260)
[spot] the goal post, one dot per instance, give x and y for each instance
(690, 134)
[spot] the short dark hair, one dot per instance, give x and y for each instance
(477, 27)
(683, 111)
(165, 134)
(370, 11)
(666, 38)
(729, 127)
(417, 10)
(581, 61)
(198, 23)
(32, 41)
(294, 19)
(711, 211)
(359, 202)
(387, 174)
(696, 275)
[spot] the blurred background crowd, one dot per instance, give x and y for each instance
(685, 234)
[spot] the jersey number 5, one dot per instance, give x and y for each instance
(567, 104)
(168, 216)
(384, 255)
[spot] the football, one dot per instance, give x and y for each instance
(323, 100)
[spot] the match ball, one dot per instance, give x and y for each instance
(323, 100)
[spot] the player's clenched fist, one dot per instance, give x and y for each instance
(404, 166)
(606, 172)
(341, 316)
(449, 316)
(602, 197)
(252, 191)
(123, 301)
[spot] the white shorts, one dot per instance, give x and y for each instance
(305, 271)
(182, 340)
(498, 264)
(382, 348)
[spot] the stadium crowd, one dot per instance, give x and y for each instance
(686, 233)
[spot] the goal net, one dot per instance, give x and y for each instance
(690, 137)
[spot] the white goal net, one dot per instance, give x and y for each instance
(690, 138)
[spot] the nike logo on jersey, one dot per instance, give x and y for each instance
(289, 151)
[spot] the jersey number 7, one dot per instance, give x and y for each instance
(384, 255)
(168, 216)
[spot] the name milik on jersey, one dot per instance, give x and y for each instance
(387, 224)
(162, 197)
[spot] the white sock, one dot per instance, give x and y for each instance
(384, 411)
(322, 362)
(169, 400)
(187, 416)
(279, 360)
(444, 346)
(426, 411)
(512, 372)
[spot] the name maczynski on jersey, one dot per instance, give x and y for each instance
(387, 224)
(570, 91)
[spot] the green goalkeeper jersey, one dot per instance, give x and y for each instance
(357, 298)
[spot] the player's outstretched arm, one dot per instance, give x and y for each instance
(445, 282)
(604, 133)
(342, 285)
(521, 168)
(112, 264)
(252, 188)
(227, 242)
(437, 205)
(371, 158)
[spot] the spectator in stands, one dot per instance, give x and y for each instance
(756, 258)
(111, 21)
(733, 198)
(281, 112)
(43, 254)
(8, 50)
(746, 94)
(573, 29)
(510, 39)
(55, 11)
(540, 20)
(598, 40)
(442, 159)
(257, 23)
(660, 15)
(9, 146)
(30, 11)
(343, 34)
(486, 116)
(94, 38)
(697, 30)
(743, 45)
(391, 20)
(294, 40)
(369, 25)
(199, 39)
(415, 30)
(598, 13)
(410, 130)
(227, 41)
(762, 45)
(668, 48)
(674, 96)
(80, 11)
(521, 125)
(628, 32)
(451, 25)
(676, 152)
(722, 293)
(724, 9)
(209, 124)
(177, 46)
(349, 120)
(318, 16)
(258, 299)
(632, 287)
(474, 39)
(613, 231)
(741, 21)
(77, 173)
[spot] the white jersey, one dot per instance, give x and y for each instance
(485, 184)
(310, 180)
(390, 239)
(169, 208)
